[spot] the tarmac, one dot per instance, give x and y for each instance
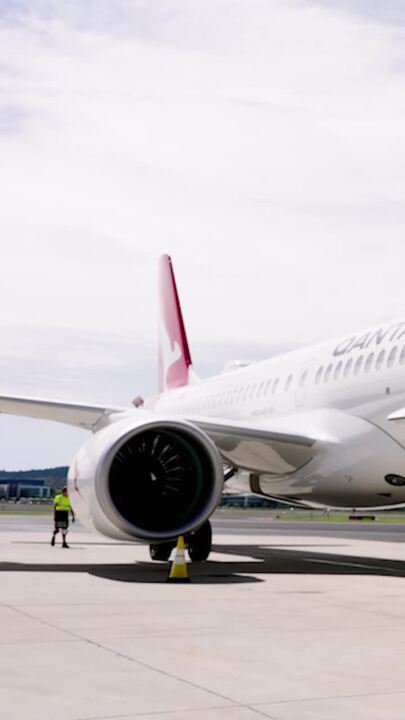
(290, 624)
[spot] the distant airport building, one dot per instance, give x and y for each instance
(235, 500)
(27, 488)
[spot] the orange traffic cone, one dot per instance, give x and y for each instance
(178, 570)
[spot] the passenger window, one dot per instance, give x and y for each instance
(328, 373)
(338, 368)
(392, 356)
(358, 364)
(275, 385)
(318, 375)
(348, 366)
(259, 389)
(402, 356)
(252, 392)
(303, 378)
(369, 363)
(380, 360)
(288, 383)
(267, 387)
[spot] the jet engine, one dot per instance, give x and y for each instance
(146, 479)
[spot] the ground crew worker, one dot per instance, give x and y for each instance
(61, 509)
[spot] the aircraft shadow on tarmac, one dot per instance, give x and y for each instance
(260, 560)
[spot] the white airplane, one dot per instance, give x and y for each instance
(319, 426)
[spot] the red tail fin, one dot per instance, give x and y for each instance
(174, 353)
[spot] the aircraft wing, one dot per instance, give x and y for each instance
(84, 416)
(273, 447)
(261, 448)
(397, 415)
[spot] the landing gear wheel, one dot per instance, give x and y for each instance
(160, 551)
(200, 543)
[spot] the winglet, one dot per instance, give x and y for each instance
(174, 354)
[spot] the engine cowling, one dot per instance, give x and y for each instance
(146, 479)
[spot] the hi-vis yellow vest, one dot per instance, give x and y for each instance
(61, 502)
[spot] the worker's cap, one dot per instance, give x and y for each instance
(64, 489)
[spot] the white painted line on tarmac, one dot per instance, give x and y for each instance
(351, 564)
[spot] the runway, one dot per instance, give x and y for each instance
(252, 523)
(289, 623)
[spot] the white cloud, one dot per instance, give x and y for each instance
(262, 144)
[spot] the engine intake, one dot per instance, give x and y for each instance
(160, 479)
(147, 479)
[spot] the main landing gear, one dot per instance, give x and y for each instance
(160, 551)
(198, 544)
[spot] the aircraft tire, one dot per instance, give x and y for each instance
(160, 551)
(200, 543)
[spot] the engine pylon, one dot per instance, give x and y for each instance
(178, 571)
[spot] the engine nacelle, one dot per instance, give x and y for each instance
(146, 479)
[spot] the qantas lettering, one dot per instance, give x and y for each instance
(359, 342)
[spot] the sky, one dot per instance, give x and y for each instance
(259, 142)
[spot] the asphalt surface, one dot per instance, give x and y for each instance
(251, 523)
(288, 620)
(230, 523)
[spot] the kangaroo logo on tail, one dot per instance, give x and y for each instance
(174, 354)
